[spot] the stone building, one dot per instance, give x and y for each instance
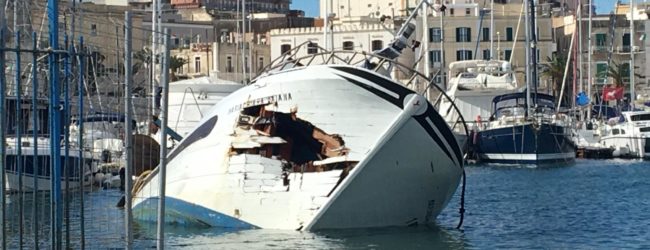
(223, 60)
(461, 38)
(359, 34)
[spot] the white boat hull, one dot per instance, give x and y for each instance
(404, 163)
(12, 183)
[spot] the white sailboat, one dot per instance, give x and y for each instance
(325, 141)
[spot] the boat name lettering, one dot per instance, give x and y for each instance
(261, 101)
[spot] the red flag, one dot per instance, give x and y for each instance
(612, 93)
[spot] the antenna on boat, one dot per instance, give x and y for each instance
(400, 42)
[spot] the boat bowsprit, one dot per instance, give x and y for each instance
(308, 148)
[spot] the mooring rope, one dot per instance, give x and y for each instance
(461, 210)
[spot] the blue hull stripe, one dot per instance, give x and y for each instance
(185, 213)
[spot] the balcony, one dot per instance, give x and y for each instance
(601, 48)
(627, 49)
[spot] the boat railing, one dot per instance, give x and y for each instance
(308, 53)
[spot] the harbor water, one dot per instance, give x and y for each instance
(588, 204)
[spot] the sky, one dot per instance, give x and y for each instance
(605, 6)
(311, 6)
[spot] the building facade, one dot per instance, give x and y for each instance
(223, 60)
(455, 35)
(353, 34)
(366, 8)
(270, 6)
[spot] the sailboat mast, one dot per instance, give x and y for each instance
(425, 47)
(579, 58)
(492, 29)
(244, 40)
(533, 45)
(527, 54)
(589, 78)
(632, 31)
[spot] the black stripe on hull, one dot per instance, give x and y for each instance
(402, 92)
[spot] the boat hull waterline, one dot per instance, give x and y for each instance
(381, 156)
(526, 144)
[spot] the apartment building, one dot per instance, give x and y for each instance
(358, 34)
(270, 6)
(462, 32)
(223, 60)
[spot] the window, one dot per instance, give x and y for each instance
(284, 48)
(312, 48)
(508, 54)
(601, 72)
(615, 131)
(377, 45)
(486, 54)
(93, 29)
(626, 42)
(260, 63)
(197, 64)
(435, 57)
(246, 65)
(451, 11)
(509, 34)
(229, 67)
(463, 34)
(468, 11)
(601, 41)
(435, 35)
(485, 34)
(464, 55)
(348, 45)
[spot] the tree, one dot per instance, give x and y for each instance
(553, 68)
(176, 63)
(618, 72)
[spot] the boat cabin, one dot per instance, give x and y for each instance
(514, 105)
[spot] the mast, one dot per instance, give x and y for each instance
(326, 20)
(579, 56)
(425, 47)
(442, 47)
(244, 41)
(533, 45)
(527, 53)
(589, 77)
(154, 41)
(491, 29)
(632, 31)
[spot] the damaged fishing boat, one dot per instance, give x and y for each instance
(309, 146)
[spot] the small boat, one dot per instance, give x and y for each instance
(474, 85)
(34, 158)
(629, 137)
(190, 100)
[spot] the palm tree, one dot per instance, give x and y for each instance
(553, 68)
(176, 63)
(618, 72)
